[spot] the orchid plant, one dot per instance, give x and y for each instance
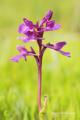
(35, 32)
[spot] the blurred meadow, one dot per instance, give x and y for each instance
(61, 75)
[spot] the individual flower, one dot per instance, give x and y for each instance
(23, 53)
(58, 47)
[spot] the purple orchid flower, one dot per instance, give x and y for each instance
(35, 32)
(23, 54)
(58, 47)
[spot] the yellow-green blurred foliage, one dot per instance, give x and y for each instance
(61, 75)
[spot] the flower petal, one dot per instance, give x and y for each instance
(52, 26)
(56, 26)
(56, 46)
(22, 50)
(25, 39)
(49, 14)
(16, 58)
(50, 23)
(47, 17)
(23, 28)
(59, 45)
(65, 53)
(28, 23)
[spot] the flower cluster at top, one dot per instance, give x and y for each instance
(34, 32)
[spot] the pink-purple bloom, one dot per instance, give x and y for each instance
(34, 32)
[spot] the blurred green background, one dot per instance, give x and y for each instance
(61, 75)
